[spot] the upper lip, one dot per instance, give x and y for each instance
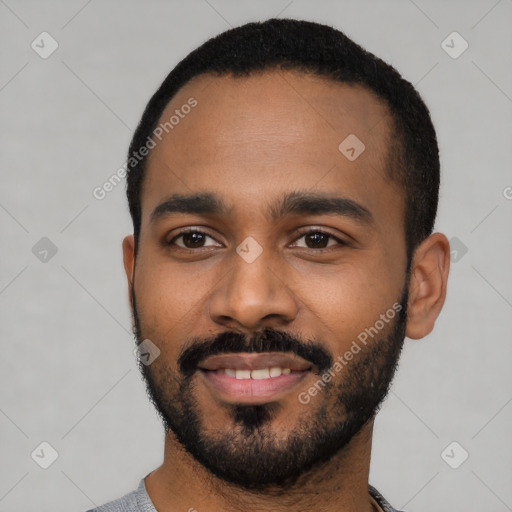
(255, 361)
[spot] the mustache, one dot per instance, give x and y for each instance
(269, 340)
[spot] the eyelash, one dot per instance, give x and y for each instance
(301, 234)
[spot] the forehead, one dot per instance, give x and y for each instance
(263, 135)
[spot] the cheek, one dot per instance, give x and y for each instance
(170, 300)
(349, 300)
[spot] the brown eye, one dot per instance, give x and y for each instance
(191, 239)
(316, 239)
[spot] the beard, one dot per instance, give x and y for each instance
(248, 452)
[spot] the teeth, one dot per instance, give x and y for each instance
(261, 373)
(275, 371)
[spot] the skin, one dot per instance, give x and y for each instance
(250, 141)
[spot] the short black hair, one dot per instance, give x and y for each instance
(312, 48)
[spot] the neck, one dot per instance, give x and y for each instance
(340, 485)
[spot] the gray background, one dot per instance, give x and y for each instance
(67, 369)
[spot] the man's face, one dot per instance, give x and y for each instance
(263, 291)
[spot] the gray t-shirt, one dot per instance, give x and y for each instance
(139, 501)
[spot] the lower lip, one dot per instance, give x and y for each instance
(252, 391)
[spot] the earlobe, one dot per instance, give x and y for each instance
(427, 288)
(129, 261)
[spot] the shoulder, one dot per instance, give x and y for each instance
(383, 503)
(135, 501)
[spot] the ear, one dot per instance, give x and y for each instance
(427, 288)
(129, 261)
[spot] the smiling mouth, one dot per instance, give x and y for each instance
(253, 378)
(260, 373)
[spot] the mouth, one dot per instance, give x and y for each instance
(252, 378)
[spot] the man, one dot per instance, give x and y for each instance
(283, 185)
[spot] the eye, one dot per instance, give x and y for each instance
(191, 239)
(318, 239)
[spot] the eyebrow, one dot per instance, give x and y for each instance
(293, 203)
(319, 204)
(201, 204)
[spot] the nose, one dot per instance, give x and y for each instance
(253, 296)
